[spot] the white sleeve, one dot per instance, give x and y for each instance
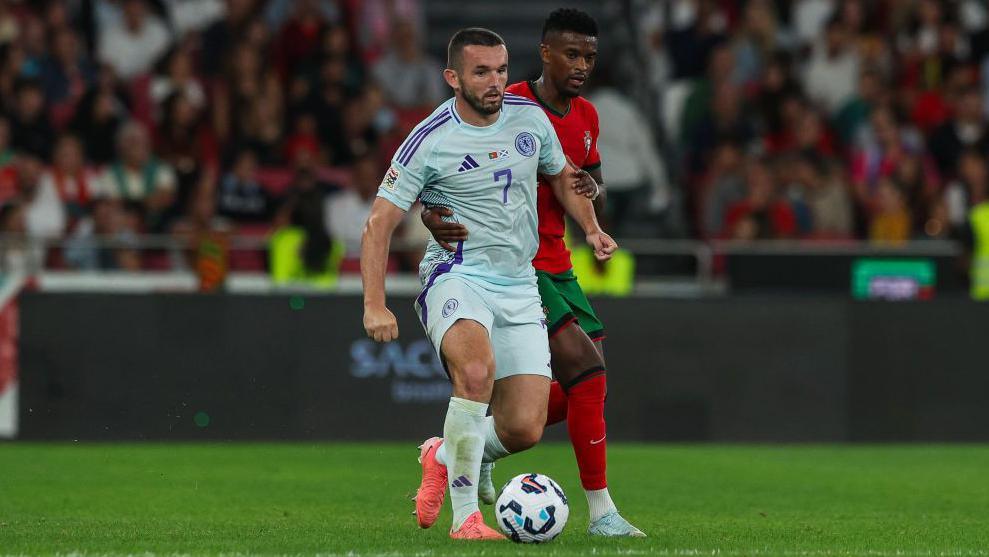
(402, 184)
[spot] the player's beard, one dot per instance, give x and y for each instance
(478, 104)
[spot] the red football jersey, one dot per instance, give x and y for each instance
(578, 133)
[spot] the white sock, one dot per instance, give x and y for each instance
(463, 436)
(493, 448)
(599, 503)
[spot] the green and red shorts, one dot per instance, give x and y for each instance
(564, 303)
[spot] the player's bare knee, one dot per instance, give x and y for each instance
(474, 380)
(529, 437)
(521, 435)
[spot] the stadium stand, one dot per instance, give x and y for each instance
(815, 120)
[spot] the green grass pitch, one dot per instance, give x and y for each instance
(353, 499)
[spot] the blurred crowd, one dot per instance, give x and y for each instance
(193, 119)
(202, 118)
(823, 119)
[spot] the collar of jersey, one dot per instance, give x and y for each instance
(555, 112)
(481, 130)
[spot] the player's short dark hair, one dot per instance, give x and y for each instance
(570, 19)
(471, 36)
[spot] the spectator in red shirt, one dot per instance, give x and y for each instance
(761, 215)
(8, 172)
(803, 129)
(303, 138)
(299, 40)
(76, 185)
(885, 144)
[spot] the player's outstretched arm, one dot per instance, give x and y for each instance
(379, 322)
(581, 209)
(443, 232)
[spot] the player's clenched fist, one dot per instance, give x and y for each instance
(602, 244)
(380, 324)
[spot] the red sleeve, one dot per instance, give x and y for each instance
(859, 167)
(736, 212)
(517, 89)
(593, 157)
(209, 150)
(784, 220)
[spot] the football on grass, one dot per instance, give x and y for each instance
(532, 509)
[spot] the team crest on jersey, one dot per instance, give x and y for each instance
(391, 178)
(587, 142)
(525, 144)
(450, 306)
(498, 155)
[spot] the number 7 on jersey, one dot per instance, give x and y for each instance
(507, 173)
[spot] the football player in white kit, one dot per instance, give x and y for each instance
(478, 154)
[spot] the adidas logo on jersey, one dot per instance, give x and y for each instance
(468, 164)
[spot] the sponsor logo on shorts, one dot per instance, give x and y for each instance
(525, 144)
(450, 307)
(391, 178)
(543, 323)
